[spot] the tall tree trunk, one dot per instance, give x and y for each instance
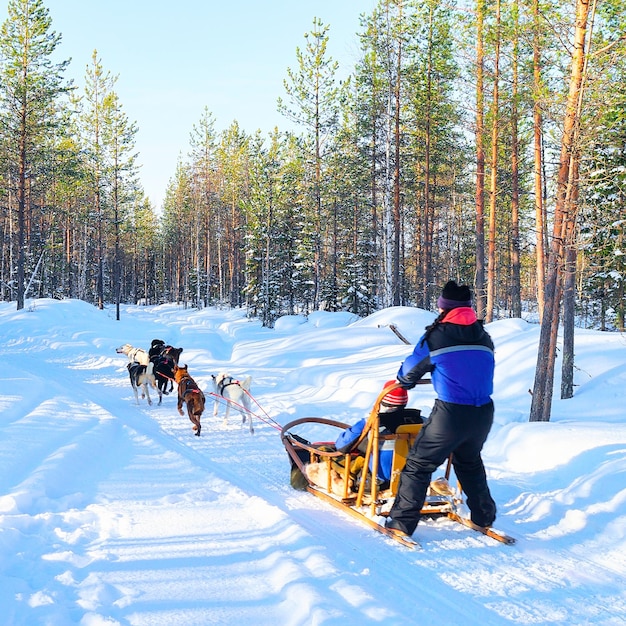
(387, 214)
(117, 277)
(516, 298)
(540, 245)
(387, 191)
(569, 293)
(479, 282)
(374, 237)
(569, 301)
(317, 258)
(571, 203)
(564, 220)
(428, 226)
(396, 179)
(493, 191)
(100, 218)
(21, 207)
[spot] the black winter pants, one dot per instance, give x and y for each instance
(456, 429)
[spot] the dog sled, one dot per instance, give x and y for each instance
(348, 479)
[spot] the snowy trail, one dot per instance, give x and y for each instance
(313, 527)
(113, 513)
(462, 559)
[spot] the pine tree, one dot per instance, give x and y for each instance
(177, 228)
(232, 158)
(603, 201)
(98, 87)
(203, 159)
(313, 105)
(30, 84)
(118, 135)
(433, 148)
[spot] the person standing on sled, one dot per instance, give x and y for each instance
(392, 413)
(459, 353)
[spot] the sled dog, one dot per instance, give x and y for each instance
(236, 392)
(191, 395)
(141, 377)
(134, 354)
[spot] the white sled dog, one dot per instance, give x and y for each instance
(235, 392)
(134, 354)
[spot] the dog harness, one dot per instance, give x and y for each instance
(227, 380)
(190, 386)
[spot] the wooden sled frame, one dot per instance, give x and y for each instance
(368, 502)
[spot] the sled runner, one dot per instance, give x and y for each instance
(348, 479)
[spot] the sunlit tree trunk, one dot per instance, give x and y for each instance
(516, 300)
(569, 312)
(493, 191)
(428, 226)
(479, 284)
(564, 223)
(540, 244)
(397, 224)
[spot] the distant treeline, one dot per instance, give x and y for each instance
(441, 156)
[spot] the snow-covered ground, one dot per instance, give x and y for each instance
(113, 513)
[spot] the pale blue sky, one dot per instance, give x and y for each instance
(175, 58)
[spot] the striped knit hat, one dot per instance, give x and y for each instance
(396, 397)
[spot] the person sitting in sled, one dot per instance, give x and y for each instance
(459, 353)
(392, 413)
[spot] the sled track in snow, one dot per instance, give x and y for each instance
(502, 574)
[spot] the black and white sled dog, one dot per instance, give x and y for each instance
(235, 392)
(141, 377)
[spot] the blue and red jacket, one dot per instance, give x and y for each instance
(458, 352)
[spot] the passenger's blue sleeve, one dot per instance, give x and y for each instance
(349, 436)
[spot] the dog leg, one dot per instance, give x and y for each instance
(247, 416)
(195, 420)
(180, 406)
(145, 386)
(247, 413)
(159, 391)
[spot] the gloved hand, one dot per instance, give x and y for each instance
(405, 383)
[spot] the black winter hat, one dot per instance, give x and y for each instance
(454, 296)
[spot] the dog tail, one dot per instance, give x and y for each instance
(245, 383)
(150, 368)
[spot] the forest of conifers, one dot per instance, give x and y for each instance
(481, 140)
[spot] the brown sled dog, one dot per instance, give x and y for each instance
(191, 395)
